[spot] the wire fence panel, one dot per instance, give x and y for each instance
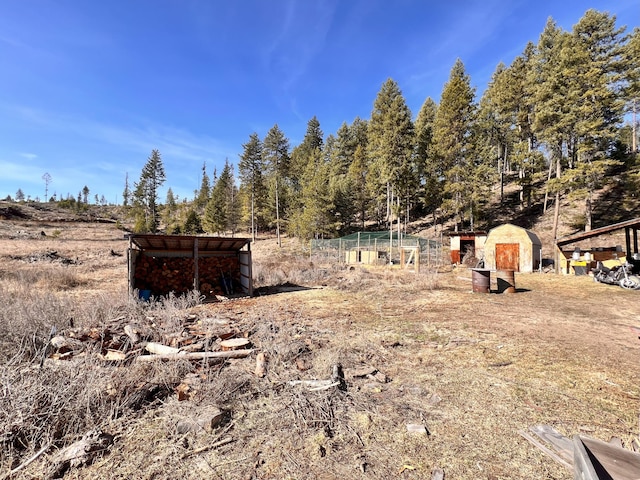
(376, 248)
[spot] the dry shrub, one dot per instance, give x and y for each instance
(299, 270)
(291, 269)
(52, 402)
(45, 277)
(27, 319)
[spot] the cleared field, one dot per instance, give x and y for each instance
(472, 369)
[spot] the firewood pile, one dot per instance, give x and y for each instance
(162, 275)
(152, 339)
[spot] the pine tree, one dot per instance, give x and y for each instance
(594, 70)
(192, 224)
(172, 224)
(250, 170)
(218, 213)
(452, 145)
(202, 198)
(427, 167)
(307, 153)
(275, 154)
(631, 56)
(390, 146)
(301, 154)
(126, 194)
(312, 219)
(85, 194)
(145, 193)
(344, 196)
(525, 157)
(357, 181)
(19, 195)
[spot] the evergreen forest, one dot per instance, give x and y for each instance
(558, 122)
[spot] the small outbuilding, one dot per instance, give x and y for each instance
(467, 243)
(509, 247)
(163, 264)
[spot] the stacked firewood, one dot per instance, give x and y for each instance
(162, 275)
(219, 275)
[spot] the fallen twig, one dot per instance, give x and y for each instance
(26, 463)
(220, 443)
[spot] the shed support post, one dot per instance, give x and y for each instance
(130, 266)
(196, 273)
(627, 237)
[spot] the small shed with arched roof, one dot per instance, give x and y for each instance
(509, 247)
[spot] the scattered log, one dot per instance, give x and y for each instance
(314, 385)
(114, 356)
(417, 428)
(261, 365)
(336, 380)
(437, 474)
(234, 344)
(160, 349)
(132, 333)
(65, 344)
(363, 372)
(195, 355)
(193, 347)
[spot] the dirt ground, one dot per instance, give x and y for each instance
(473, 369)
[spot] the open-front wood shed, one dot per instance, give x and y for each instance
(585, 249)
(161, 264)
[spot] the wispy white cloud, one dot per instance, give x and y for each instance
(141, 136)
(466, 36)
(301, 37)
(100, 153)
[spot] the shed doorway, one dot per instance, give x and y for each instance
(508, 256)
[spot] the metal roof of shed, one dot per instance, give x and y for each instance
(187, 242)
(633, 224)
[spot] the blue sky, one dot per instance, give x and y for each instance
(89, 88)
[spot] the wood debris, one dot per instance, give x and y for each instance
(234, 344)
(148, 340)
(261, 365)
(336, 380)
(206, 422)
(369, 372)
(80, 453)
(417, 428)
(584, 455)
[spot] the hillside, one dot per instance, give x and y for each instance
(368, 372)
(618, 201)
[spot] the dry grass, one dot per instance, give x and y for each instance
(473, 369)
